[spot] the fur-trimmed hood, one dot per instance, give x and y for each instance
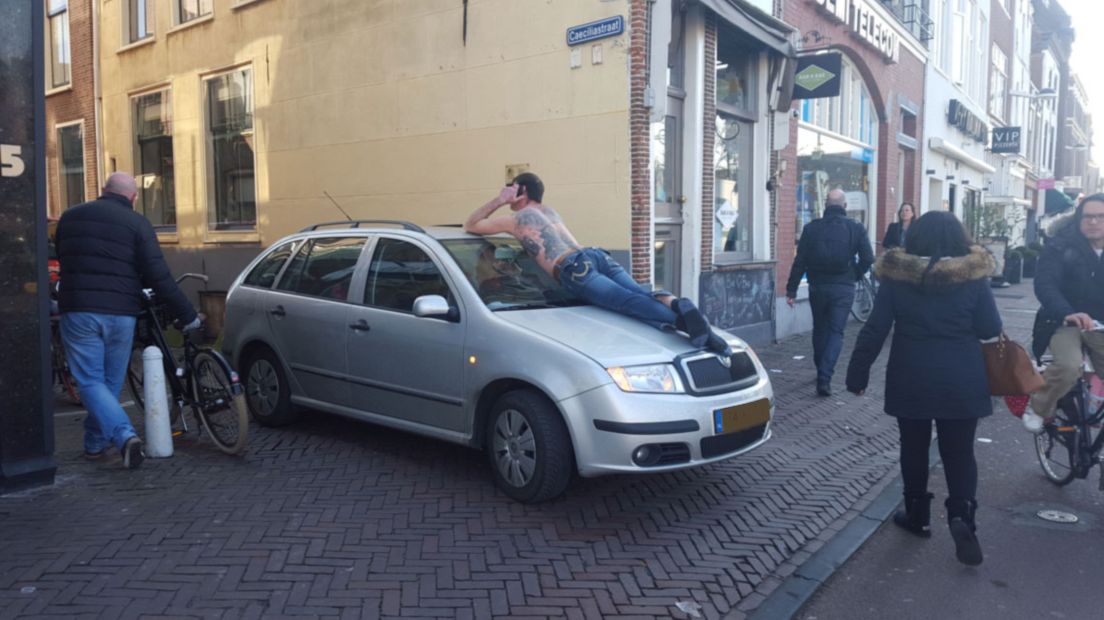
(896, 264)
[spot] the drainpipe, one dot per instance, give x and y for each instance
(97, 95)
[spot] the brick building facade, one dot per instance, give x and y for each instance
(895, 88)
(70, 104)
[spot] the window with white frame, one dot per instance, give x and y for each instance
(139, 19)
(70, 154)
(57, 16)
(232, 203)
(998, 83)
(153, 158)
(733, 196)
(190, 10)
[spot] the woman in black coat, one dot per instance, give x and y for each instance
(895, 234)
(935, 296)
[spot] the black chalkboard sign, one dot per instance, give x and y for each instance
(732, 299)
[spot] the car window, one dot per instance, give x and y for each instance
(323, 268)
(401, 272)
(505, 276)
(264, 274)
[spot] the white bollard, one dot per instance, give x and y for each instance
(158, 425)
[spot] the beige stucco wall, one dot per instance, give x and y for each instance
(380, 104)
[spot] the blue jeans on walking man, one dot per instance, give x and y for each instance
(593, 276)
(830, 304)
(98, 349)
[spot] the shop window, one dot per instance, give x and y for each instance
(70, 140)
(153, 159)
(732, 191)
(232, 192)
(57, 16)
(139, 19)
(836, 149)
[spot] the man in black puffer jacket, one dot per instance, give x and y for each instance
(1069, 282)
(835, 252)
(108, 254)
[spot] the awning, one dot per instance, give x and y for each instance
(1057, 201)
(770, 31)
(939, 145)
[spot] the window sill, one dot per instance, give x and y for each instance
(241, 4)
(232, 236)
(60, 89)
(135, 45)
(195, 22)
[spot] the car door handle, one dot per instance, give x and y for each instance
(278, 311)
(360, 326)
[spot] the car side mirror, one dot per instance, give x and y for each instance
(435, 306)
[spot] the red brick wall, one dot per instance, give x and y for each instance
(639, 142)
(709, 130)
(885, 82)
(74, 104)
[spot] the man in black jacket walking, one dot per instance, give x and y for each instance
(108, 254)
(827, 253)
(1069, 282)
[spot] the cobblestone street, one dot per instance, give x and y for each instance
(336, 518)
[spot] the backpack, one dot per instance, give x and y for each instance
(832, 250)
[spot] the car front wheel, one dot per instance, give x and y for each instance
(529, 447)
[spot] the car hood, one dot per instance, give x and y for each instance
(604, 336)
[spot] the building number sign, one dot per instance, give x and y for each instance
(11, 160)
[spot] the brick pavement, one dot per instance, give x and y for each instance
(334, 518)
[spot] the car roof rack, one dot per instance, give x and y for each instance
(356, 224)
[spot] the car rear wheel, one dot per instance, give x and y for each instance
(529, 447)
(267, 393)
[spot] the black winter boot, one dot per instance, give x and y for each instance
(960, 518)
(692, 321)
(916, 517)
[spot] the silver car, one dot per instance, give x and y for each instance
(466, 339)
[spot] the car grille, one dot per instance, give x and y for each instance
(707, 375)
(731, 442)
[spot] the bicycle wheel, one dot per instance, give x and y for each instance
(1057, 449)
(864, 301)
(220, 403)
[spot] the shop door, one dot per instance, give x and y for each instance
(667, 192)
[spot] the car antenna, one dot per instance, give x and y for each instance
(324, 192)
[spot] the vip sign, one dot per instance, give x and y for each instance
(867, 23)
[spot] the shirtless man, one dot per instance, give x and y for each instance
(588, 273)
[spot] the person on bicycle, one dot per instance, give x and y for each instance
(935, 297)
(108, 254)
(835, 251)
(1069, 283)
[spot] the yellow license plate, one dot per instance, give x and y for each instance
(741, 417)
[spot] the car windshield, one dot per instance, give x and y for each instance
(505, 277)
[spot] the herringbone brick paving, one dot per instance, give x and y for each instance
(333, 518)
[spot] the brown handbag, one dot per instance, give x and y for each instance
(1009, 368)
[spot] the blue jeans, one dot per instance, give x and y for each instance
(830, 304)
(98, 349)
(593, 276)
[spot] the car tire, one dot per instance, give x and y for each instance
(267, 392)
(529, 447)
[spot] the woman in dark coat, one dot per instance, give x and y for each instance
(895, 234)
(935, 296)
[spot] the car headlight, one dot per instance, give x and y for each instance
(656, 378)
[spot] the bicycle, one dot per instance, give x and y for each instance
(202, 380)
(865, 291)
(63, 377)
(1066, 447)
